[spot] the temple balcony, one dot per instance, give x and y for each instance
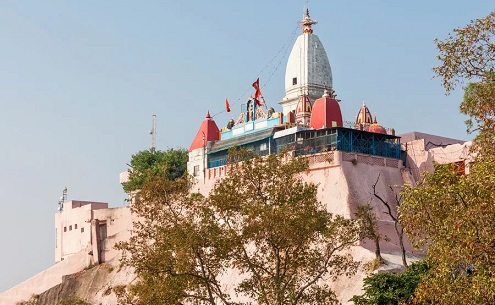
(303, 141)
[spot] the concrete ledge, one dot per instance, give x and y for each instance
(45, 279)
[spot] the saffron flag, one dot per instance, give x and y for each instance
(262, 101)
(227, 105)
(258, 103)
(256, 86)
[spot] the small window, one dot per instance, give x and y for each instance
(65, 229)
(196, 170)
(75, 227)
(70, 228)
(82, 230)
(263, 147)
(294, 81)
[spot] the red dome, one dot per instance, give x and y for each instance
(207, 132)
(326, 113)
(377, 129)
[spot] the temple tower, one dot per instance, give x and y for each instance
(308, 70)
(303, 110)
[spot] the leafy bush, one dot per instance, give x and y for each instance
(390, 288)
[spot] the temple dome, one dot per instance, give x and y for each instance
(326, 113)
(364, 116)
(207, 132)
(308, 69)
(377, 128)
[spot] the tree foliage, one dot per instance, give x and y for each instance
(370, 228)
(71, 300)
(391, 288)
(147, 164)
(284, 241)
(451, 215)
(479, 104)
(393, 213)
(176, 247)
(34, 300)
(282, 244)
(469, 56)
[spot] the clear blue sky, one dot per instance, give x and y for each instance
(79, 81)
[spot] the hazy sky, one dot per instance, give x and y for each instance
(80, 80)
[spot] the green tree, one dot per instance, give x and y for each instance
(176, 248)
(370, 228)
(451, 215)
(73, 300)
(284, 242)
(147, 164)
(469, 57)
(34, 300)
(391, 288)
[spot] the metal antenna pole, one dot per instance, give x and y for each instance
(62, 200)
(153, 131)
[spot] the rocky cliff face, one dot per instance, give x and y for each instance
(94, 285)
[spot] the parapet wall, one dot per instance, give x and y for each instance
(45, 279)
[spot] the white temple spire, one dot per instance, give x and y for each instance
(308, 69)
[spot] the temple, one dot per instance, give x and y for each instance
(310, 122)
(346, 159)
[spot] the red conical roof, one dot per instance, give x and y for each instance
(364, 115)
(326, 113)
(207, 132)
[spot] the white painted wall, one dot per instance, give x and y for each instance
(73, 227)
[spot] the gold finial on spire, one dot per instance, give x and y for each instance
(307, 22)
